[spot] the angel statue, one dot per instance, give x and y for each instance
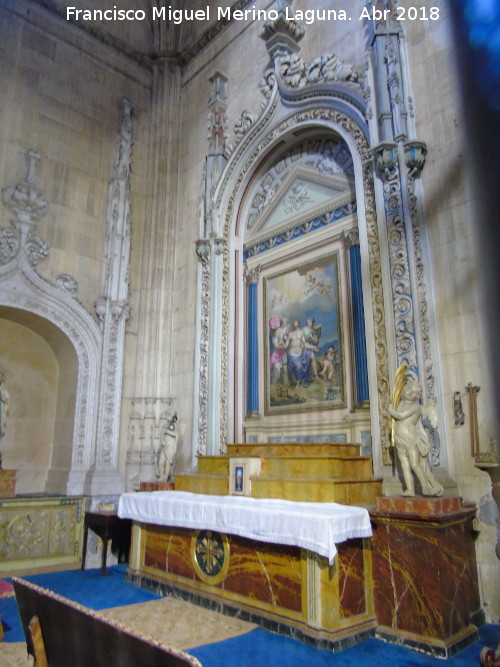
(409, 436)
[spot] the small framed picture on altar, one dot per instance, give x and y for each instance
(240, 472)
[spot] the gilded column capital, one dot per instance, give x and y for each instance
(415, 154)
(220, 245)
(386, 158)
(350, 238)
(252, 274)
(203, 250)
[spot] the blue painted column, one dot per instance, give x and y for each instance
(252, 352)
(362, 391)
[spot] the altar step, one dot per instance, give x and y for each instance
(324, 490)
(318, 472)
(355, 467)
(320, 490)
(208, 483)
(293, 449)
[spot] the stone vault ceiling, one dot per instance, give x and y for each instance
(145, 39)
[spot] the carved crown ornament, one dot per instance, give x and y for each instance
(295, 78)
(25, 199)
(28, 204)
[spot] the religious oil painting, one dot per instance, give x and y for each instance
(304, 353)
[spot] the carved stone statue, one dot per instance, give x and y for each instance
(411, 440)
(168, 449)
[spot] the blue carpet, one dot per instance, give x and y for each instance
(254, 649)
(88, 588)
(263, 649)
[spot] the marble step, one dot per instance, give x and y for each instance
(210, 484)
(213, 465)
(294, 449)
(317, 466)
(345, 491)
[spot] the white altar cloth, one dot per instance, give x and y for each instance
(313, 526)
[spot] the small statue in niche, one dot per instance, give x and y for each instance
(168, 449)
(409, 436)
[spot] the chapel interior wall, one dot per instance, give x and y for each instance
(61, 91)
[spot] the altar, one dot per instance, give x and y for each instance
(299, 568)
(286, 544)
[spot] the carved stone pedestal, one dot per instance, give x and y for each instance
(7, 483)
(425, 574)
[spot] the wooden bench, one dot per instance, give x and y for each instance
(60, 632)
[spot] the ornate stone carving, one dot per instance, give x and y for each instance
(28, 204)
(415, 160)
(386, 156)
(217, 116)
(326, 156)
(329, 67)
(282, 35)
(415, 154)
(67, 284)
(252, 274)
(320, 116)
(36, 250)
(292, 70)
(204, 351)
(25, 199)
(203, 250)
(244, 123)
(22, 287)
(112, 307)
(10, 244)
(350, 238)
(267, 83)
(220, 246)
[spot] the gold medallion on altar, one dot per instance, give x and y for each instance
(210, 555)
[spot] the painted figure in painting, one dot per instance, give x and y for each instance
(301, 357)
(312, 331)
(411, 440)
(329, 370)
(278, 358)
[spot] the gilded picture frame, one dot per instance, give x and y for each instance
(304, 353)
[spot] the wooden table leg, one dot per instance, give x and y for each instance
(84, 550)
(104, 554)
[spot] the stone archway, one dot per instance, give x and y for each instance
(221, 253)
(88, 464)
